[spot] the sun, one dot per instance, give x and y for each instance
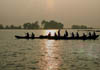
(51, 31)
(50, 3)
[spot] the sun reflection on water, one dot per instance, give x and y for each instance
(50, 4)
(52, 32)
(50, 59)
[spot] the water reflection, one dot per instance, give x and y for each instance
(52, 32)
(50, 59)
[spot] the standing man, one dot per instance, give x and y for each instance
(59, 33)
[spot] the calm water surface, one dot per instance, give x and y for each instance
(47, 54)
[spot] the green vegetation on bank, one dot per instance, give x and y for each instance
(35, 25)
(44, 25)
(52, 25)
(10, 27)
(29, 25)
(80, 27)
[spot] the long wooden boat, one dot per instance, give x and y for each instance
(59, 38)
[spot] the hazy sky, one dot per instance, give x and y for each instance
(68, 12)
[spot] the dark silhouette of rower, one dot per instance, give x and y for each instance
(59, 33)
(33, 35)
(73, 35)
(66, 33)
(27, 35)
(77, 34)
(84, 36)
(94, 34)
(49, 35)
(90, 34)
(55, 34)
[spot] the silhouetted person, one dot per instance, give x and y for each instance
(94, 34)
(90, 34)
(84, 36)
(33, 35)
(77, 34)
(49, 35)
(27, 35)
(55, 34)
(73, 35)
(66, 33)
(59, 33)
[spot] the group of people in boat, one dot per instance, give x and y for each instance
(72, 34)
(65, 36)
(28, 36)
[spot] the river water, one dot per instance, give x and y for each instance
(47, 54)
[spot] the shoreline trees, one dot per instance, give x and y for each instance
(44, 25)
(1, 26)
(52, 24)
(80, 27)
(29, 25)
(35, 25)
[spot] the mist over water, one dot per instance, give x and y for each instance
(68, 12)
(43, 54)
(47, 54)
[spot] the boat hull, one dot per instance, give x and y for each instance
(59, 38)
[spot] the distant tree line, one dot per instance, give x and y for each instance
(80, 27)
(52, 24)
(29, 25)
(10, 27)
(35, 25)
(1, 26)
(44, 25)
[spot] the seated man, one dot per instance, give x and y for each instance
(84, 36)
(77, 34)
(49, 35)
(90, 34)
(33, 35)
(73, 35)
(27, 35)
(94, 34)
(59, 33)
(66, 34)
(55, 34)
